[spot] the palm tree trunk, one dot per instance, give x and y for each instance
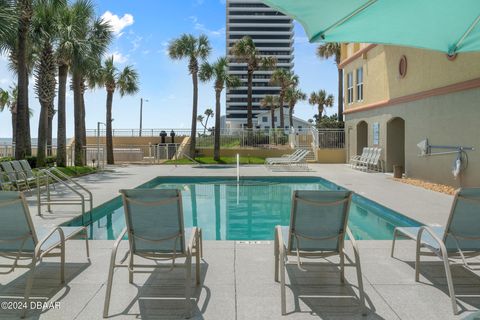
(216, 146)
(42, 134)
(14, 125)
(250, 100)
(62, 121)
(21, 143)
(51, 114)
(282, 116)
(77, 110)
(110, 159)
(28, 139)
(193, 134)
(84, 127)
(340, 95)
(290, 116)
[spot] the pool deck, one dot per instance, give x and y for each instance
(237, 277)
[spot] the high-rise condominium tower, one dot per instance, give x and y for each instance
(272, 33)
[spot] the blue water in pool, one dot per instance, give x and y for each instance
(249, 210)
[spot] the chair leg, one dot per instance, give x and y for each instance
(130, 269)
(62, 262)
(451, 289)
(108, 290)
(276, 255)
(417, 262)
(282, 285)
(360, 285)
(86, 244)
(197, 258)
(28, 287)
(342, 266)
(395, 232)
(201, 243)
(188, 286)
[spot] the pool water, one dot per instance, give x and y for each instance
(249, 210)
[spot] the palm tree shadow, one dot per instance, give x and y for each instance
(46, 287)
(325, 296)
(162, 295)
(466, 282)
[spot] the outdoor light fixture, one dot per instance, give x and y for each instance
(460, 163)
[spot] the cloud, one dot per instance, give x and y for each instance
(4, 81)
(201, 27)
(117, 23)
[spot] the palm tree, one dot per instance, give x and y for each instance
(333, 49)
(193, 49)
(292, 96)
(126, 81)
(71, 24)
(8, 21)
(271, 103)
(218, 72)
(200, 118)
(284, 79)
(322, 100)
(244, 51)
(92, 39)
(44, 30)
(24, 13)
(8, 99)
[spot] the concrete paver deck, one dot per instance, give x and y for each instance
(237, 277)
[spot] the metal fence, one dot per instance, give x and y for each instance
(328, 138)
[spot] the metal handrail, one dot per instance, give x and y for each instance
(62, 178)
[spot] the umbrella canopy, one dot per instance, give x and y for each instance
(449, 26)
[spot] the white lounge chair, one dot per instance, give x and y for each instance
(287, 162)
(318, 225)
(355, 158)
(459, 239)
(358, 162)
(284, 157)
(20, 240)
(15, 179)
(155, 230)
(29, 178)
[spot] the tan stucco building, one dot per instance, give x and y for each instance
(395, 97)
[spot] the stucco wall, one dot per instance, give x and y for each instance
(426, 70)
(451, 119)
(331, 155)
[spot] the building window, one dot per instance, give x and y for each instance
(274, 119)
(267, 127)
(299, 128)
(360, 84)
(264, 119)
(350, 87)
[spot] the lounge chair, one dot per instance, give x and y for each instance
(19, 240)
(298, 162)
(285, 160)
(460, 238)
(17, 181)
(373, 163)
(5, 184)
(284, 157)
(155, 229)
(356, 158)
(318, 225)
(22, 174)
(39, 177)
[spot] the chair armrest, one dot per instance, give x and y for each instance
(115, 247)
(427, 229)
(281, 245)
(356, 252)
(192, 240)
(44, 239)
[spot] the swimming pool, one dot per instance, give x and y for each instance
(249, 210)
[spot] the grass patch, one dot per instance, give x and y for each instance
(223, 160)
(76, 171)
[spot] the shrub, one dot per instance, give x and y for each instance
(6, 159)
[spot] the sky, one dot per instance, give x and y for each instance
(143, 30)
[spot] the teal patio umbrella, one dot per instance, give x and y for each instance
(450, 26)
